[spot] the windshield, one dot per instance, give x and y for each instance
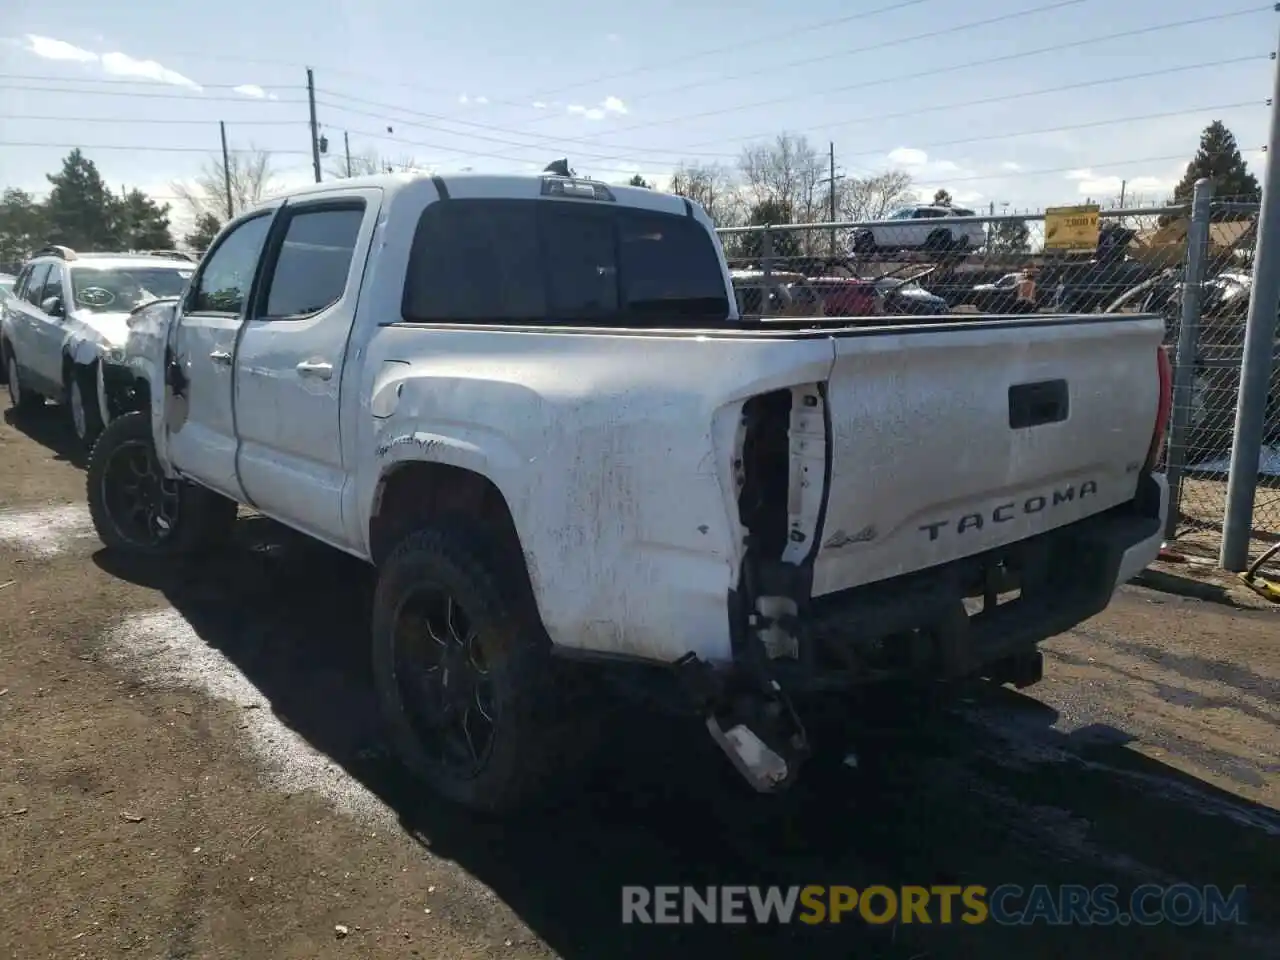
(120, 289)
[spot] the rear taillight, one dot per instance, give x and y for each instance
(1165, 408)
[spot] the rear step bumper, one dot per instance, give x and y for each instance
(925, 626)
(953, 621)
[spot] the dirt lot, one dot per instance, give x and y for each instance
(190, 767)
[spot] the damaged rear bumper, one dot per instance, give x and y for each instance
(980, 616)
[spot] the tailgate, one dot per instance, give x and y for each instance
(950, 441)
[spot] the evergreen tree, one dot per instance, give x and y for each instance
(22, 227)
(81, 212)
(203, 232)
(942, 198)
(142, 224)
(1219, 159)
(785, 244)
(638, 181)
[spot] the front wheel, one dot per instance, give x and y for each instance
(463, 672)
(135, 508)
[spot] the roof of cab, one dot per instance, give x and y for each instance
(489, 186)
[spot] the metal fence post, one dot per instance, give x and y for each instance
(1255, 369)
(1184, 370)
(766, 264)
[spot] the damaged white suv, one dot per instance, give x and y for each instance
(531, 404)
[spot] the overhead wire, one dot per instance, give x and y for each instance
(939, 71)
(687, 151)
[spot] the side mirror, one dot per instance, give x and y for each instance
(52, 306)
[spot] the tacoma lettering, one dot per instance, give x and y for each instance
(1005, 512)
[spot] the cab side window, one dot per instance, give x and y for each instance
(227, 274)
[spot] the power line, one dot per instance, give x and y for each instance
(189, 97)
(1107, 165)
(768, 38)
(876, 152)
(163, 121)
(882, 151)
(522, 49)
(147, 148)
(984, 62)
(147, 81)
(809, 61)
(1088, 124)
(1007, 97)
(477, 136)
(540, 142)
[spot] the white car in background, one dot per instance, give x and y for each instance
(66, 313)
(918, 228)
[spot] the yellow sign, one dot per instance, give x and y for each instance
(1071, 228)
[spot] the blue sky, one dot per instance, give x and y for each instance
(500, 85)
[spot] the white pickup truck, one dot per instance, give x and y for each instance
(531, 404)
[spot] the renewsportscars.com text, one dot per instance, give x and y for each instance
(1007, 904)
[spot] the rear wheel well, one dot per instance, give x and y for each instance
(412, 495)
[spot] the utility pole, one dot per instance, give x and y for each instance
(315, 128)
(1255, 366)
(226, 171)
(346, 142)
(831, 185)
(1123, 184)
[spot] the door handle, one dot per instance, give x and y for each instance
(222, 357)
(315, 368)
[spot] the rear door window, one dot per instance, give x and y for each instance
(52, 284)
(314, 260)
(35, 283)
(530, 261)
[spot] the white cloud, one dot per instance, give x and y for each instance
(1012, 166)
(251, 90)
(1101, 187)
(539, 105)
(908, 157)
(463, 98)
(49, 49)
(482, 100)
(123, 65)
(116, 64)
(612, 37)
(606, 106)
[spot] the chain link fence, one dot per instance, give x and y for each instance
(931, 261)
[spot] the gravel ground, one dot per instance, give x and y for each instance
(190, 766)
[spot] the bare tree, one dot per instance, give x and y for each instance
(787, 172)
(873, 198)
(251, 179)
(712, 187)
(370, 162)
(786, 175)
